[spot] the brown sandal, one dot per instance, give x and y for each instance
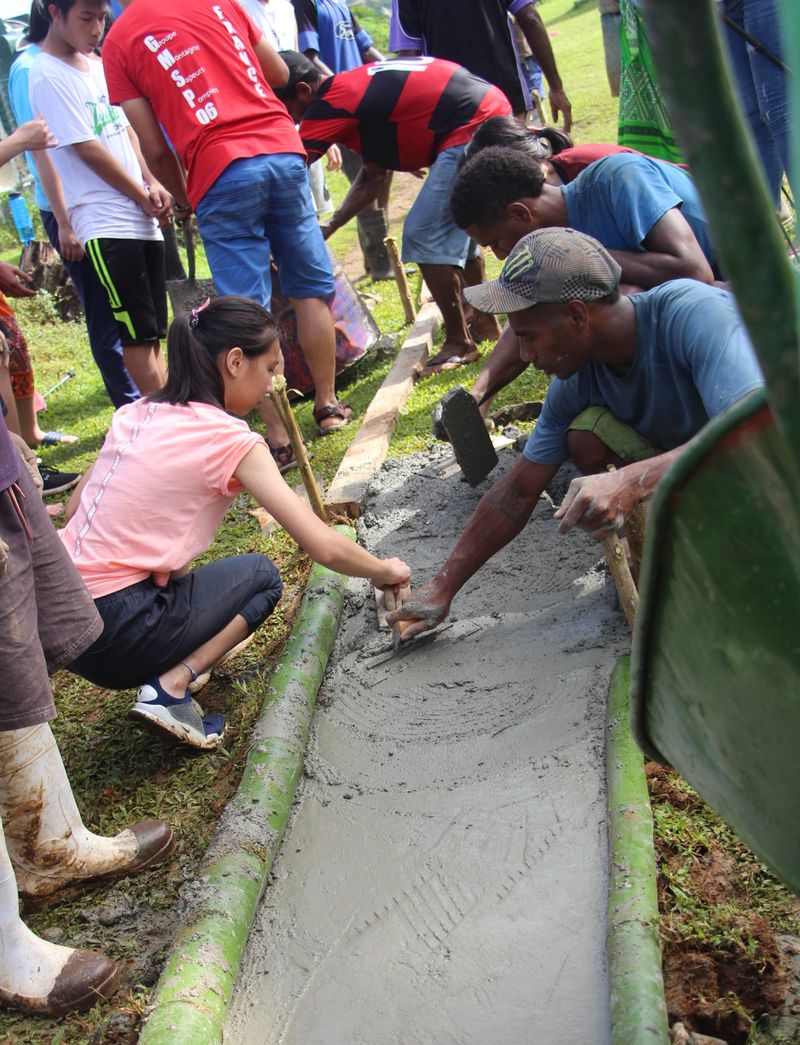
(284, 458)
(342, 411)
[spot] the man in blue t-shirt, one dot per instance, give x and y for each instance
(646, 213)
(634, 379)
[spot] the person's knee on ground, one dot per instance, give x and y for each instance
(47, 841)
(41, 978)
(590, 454)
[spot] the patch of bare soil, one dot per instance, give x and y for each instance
(723, 963)
(403, 193)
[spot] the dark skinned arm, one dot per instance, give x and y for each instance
(313, 56)
(502, 366)
(159, 157)
(502, 514)
(273, 68)
(531, 24)
(600, 504)
(671, 252)
(366, 188)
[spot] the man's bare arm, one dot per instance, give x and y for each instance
(111, 171)
(69, 244)
(367, 187)
(502, 366)
(502, 513)
(600, 504)
(155, 148)
(273, 67)
(531, 24)
(671, 252)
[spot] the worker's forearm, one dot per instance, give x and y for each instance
(647, 268)
(106, 167)
(501, 516)
(364, 190)
(502, 366)
(535, 32)
(166, 169)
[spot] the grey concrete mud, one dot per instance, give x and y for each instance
(443, 879)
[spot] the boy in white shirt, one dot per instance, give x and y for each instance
(113, 200)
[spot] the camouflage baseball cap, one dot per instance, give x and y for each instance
(549, 265)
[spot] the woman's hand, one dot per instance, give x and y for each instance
(393, 573)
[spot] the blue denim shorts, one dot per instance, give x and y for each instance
(430, 236)
(262, 205)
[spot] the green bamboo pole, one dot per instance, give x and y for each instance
(193, 994)
(638, 1011)
(693, 70)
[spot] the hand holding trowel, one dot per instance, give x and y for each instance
(415, 614)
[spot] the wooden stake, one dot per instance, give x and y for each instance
(400, 279)
(621, 575)
(281, 400)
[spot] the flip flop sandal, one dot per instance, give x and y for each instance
(284, 458)
(448, 364)
(58, 439)
(342, 411)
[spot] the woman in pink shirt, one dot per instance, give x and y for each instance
(169, 469)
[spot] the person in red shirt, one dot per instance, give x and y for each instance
(403, 115)
(202, 71)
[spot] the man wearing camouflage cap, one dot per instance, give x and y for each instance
(634, 379)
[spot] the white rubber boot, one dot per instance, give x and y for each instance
(48, 844)
(40, 977)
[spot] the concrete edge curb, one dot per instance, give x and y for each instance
(196, 985)
(638, 1008)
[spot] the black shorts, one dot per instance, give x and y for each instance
(133, 273)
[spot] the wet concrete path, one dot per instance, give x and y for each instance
(443, 879)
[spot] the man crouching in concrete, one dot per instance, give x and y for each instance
(634, 378)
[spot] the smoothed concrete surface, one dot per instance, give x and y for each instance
(443, 879)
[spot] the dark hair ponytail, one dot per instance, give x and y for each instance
(540, 143)
(196, 339)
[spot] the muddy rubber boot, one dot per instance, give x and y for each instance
(47, 842)
(372, 231)
(42, 978)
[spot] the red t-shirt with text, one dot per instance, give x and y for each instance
(193, 60)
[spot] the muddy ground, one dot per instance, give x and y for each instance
(444, 876)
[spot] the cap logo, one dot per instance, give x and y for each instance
(521, 262)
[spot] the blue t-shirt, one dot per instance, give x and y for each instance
(620, 198)
(693, 360)
(21, 107)
(329, 28)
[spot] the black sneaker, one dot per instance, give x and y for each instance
(57, 482)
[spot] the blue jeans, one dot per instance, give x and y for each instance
(100, 323)
(258, 205)
(761, 85)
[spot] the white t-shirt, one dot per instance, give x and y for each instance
(275, 19)
(75, 105)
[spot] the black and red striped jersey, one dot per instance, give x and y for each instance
(400, 114)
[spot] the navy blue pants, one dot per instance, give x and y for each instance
(100, 323)
(148, 630)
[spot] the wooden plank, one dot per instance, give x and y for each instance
(368, 450)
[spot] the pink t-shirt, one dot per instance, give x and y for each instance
(157, 493)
